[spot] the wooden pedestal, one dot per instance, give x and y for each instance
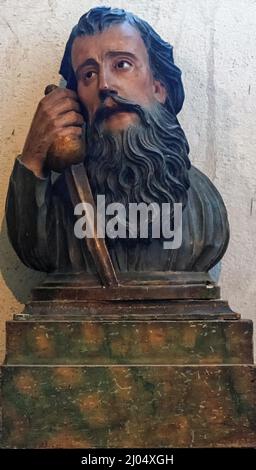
(129, 383)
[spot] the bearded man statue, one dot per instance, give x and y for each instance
(123, 94)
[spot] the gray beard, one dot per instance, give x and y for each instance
(147, 162)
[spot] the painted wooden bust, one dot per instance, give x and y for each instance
(123, 95)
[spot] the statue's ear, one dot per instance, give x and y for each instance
(160, 91)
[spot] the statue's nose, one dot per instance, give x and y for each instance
(106, 84)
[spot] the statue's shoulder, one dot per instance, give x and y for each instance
(205, 222)
(199, 181)
(204, 191)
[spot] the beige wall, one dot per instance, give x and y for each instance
(214, 44)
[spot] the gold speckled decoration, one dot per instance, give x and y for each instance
(125, 383)
(131, 406)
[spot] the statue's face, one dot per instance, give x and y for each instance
(116, 60)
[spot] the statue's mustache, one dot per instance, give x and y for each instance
(120, 104)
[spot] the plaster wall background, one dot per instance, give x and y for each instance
(214, 45)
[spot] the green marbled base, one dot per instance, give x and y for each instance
(127, 383)
(129, 342)
(129, 406)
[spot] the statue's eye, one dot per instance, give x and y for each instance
(123, 65)
(89, 75)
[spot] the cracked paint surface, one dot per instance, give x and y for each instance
(129, 406)
(129, 384)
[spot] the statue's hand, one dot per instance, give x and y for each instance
(57, 115)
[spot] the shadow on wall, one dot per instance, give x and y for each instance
(18, 278)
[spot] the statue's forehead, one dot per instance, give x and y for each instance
(121, 37)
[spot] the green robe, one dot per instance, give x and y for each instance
(40, 219)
